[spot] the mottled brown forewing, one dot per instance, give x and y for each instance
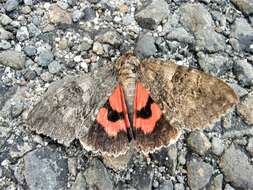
(188, 97)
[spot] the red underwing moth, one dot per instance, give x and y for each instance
(144, 104)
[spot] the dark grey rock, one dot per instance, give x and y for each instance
(22, 34)
(242, 31)
(166, 185)
(97, 176)
(89, 14)
(209, 41)
(217, 146)
(167, 157)
(30, 51)
(13, 59)
(198, 142)
(216, 183)
(80, 183)
(11, 5)
(111, 37)
(29, 74)
(249, 147)
(145, 46)
(152, 14)
(236, 168)
(246, 6)
(5, 35)
(45, 57)
(46, 169)
(244, 72)
(180, 35)
(215, 64)
(142, 177)
(195, 17)
(54, 67)
(4, 45)
(199, 174)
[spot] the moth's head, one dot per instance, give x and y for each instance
(127, 62)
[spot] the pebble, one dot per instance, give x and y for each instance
(198, 142)
(145, 46)
(245, 108)
(89, 14)
(4, 19)
(30, 51)
(243, 70)
(180, 35)
(216, 183)
(59, 16)
(110, 37)
(179, 186)
(77, 15)
(22, 34)
(166, 185)
(217, 146)
(46, 168)
(4, 45)
(96, 175)
(5, 35)
(143, 177)
(98, 48)
(11, 5)
(152, 15)
(249, 147)
(199, 173)
(13, 59)
(29, 75)
(47, 77)
(54, 67)
(45, 56)
(236, 168)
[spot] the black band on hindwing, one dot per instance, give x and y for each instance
(112, 114)
(145, 112)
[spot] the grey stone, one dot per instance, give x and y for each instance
(13, 59)
(243, 72)
(195, 17)
(242, 31)
(236, 168)
(29, 74)
(166, 157)
(5, 20)
(145, 46)
(59, 16)
(216, 183)
(249, 147)
(46, 169)
(94, 1)
(30, 51)
(45, 57)
(4, 45)
(17, 108)
(110, 37)
(77, 15)
(5, 35)
(209, 41)
(11, 5)
(22, 34)
(47, 77)
(180, 35)
(143, 177)
(34, 31)
(89, 14)
(5, 130)
(98, 48)
(228, 187)
(152, 14)
(245, 108)
(97, 176)
(179, 186)
(214, 64)
(80, 183)
(199, 174)
(217, 146)
(246, 6)
(28, 2)
(54, 67)
(166, 185)
(198, 142)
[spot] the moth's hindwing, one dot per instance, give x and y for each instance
(109, 133)
(188, 98)
(151, 130)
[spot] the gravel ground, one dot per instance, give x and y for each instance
(44, 41)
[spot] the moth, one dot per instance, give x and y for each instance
(143, 103)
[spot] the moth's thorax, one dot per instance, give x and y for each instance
(126, 68)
